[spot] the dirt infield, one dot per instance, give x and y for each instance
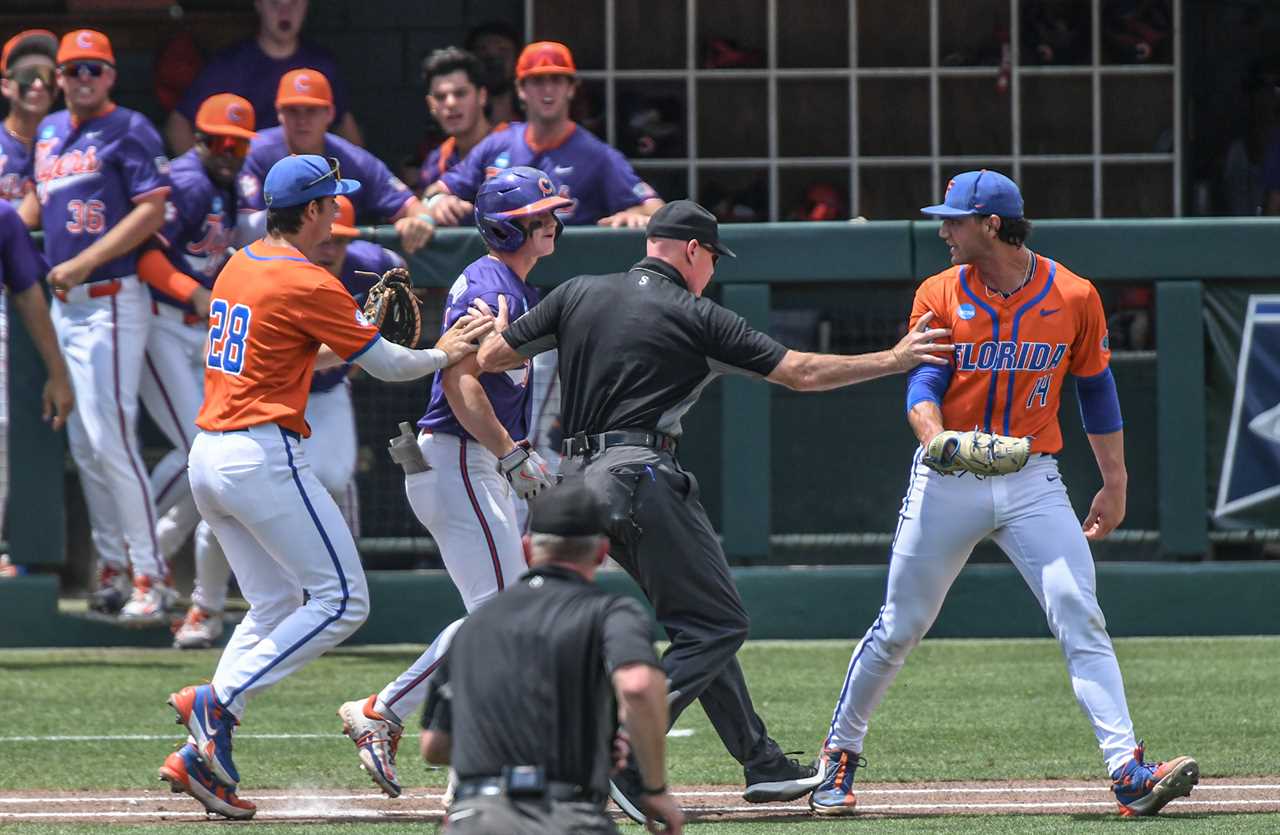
(1261, 794)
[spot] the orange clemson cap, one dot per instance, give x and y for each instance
(545, 58)
(304, 86)
(85, 45)
(30, 42)
(226, 114)
(344, 225)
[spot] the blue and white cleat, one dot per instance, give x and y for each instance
(185, 773)
(834, 795)
(210, 725)
(1144, 789)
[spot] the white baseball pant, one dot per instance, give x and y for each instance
(1029, 516)
(282, 534)
(469, 508)
(103, 340)
(172, 390)
(333, 429)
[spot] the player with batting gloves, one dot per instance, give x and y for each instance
(101, 182)
(472, 466)
(1020, 322)
(274, 313)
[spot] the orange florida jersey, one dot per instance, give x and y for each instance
(1012, 354)
(271, 310)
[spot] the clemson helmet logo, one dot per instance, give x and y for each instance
(302, 83)
(84, 40)
(544, 185)
(235, 113)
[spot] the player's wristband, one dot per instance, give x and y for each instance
(436, 198)
(659, 790)
(426, 218)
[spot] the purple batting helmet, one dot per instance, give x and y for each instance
(514, 193)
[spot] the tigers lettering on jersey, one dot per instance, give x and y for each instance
(1012, 354)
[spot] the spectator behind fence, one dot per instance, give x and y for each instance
(304, 105)
(603, 186)
(253, 68)
(457, 98)
(497, 43)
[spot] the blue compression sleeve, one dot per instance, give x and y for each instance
(1099, 404)
(927, 382)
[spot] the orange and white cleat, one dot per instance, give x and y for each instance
(198, 630)
(377, 739)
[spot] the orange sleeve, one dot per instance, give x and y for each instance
(929, 298)
(158, 271)
(1091, 350)
(329, 315)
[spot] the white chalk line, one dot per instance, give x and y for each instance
(371, 796)
(674, 732)
(337, 814)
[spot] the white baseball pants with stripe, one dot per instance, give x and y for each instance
(282, 533)
(103, 340)
(469, 508)
(1030, 518)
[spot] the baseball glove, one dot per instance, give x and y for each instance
(980, 453)
(393, 309)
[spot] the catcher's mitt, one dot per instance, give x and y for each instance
(392, 308)
(980, 453)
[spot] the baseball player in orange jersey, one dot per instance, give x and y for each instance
(1020, 323)
(271, 310)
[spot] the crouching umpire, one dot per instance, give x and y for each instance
(526, 705)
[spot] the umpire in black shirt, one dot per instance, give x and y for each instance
(636, 350)
(526, 704)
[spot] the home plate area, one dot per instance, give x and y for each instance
(700, 802)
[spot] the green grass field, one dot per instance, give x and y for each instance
(961, 710)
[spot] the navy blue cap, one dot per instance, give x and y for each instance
(568, 509)
(979, 193)
(295, 180)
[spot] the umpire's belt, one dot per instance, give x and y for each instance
(552, 789)
(582, 444)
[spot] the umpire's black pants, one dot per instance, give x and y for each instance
(661, 535)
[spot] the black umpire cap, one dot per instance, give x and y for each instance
(685, 220)
(568, 509)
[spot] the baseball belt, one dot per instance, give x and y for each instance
(582, 444)
(503, 787)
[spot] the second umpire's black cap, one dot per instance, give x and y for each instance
(568, 509)
(685, 220)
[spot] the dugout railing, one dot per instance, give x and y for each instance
(817, 478)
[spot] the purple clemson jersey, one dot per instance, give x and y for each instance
(88, 177)
(21, 264)
(199, 223)
(381, 192)
(596, 177)
(244, 69)
(508, 391)
(15, 169)
(362, 256)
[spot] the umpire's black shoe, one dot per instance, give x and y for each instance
(625, 789)
(779, 780)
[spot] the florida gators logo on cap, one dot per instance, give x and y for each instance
(950, 184)
(544, 185)
(84, 40)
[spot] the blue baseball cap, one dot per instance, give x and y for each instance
(979, 193)
(295, 180)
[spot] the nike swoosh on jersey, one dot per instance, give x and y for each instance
(63, 182)
(1049, 312)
